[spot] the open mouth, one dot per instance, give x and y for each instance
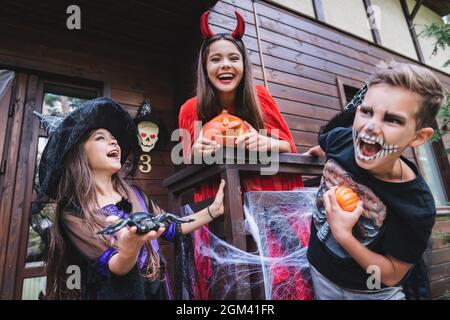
(114, 154)
(226, 78)
(371, 148)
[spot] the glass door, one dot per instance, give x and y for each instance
(54, 98)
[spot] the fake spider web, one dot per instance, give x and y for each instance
(279, 224)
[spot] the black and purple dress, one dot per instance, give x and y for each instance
(93, 255)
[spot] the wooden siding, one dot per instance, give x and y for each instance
(133, 60)
(437, 258)
(305, 61)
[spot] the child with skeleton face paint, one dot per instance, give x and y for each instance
(385, 126)
(389, 229)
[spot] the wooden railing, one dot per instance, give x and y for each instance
(232, 224)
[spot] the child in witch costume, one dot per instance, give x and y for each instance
(224, 82)
(79, 169)
(367, 253)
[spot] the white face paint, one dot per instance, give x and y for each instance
(148, 135)
(384, 126)
(369, 148)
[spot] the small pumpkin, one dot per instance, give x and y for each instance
(347, 198)
(225, 128)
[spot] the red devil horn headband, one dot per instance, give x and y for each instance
(206, 30)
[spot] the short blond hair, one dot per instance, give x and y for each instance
(415, 79)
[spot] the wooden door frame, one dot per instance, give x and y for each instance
(16, 205)
(17, 103)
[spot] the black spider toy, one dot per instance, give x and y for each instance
(144, 222)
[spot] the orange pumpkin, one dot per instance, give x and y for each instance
(224, 129)
(347, 198)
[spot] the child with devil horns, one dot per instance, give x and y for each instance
(224, 82)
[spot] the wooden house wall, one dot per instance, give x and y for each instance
(437, 258)
(304, 60)
(127, 74)
(305, 63)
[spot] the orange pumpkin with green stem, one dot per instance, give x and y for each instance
(347, 198)
(224, 129)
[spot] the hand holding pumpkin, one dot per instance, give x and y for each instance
(347, 198)
(254, 141)
(225, 129)
(204, 146)
(341, 221)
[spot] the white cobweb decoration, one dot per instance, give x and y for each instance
(279, 223)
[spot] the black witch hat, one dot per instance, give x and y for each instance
(65, 133)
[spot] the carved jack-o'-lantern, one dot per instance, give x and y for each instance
(347, 198)
(224, 129)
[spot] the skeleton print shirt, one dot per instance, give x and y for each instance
(397, 218)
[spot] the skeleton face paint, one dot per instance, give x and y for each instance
(383, 128)
(369, 148)
(148, 135)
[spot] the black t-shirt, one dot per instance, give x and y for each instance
(399, 225)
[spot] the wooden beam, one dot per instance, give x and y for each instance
(416, 9)
(258, 39)
(375, 33)
(8, 256)
(412, 31)
(318, 10)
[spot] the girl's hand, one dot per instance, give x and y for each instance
(217, 207)
(130, 243)
(341, 222)
(254, 141)
(204, 146)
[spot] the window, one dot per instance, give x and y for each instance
(431, 173)
(350, 92)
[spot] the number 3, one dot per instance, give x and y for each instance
(145, 167)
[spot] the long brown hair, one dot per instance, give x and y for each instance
(77, 187)
(247, 105)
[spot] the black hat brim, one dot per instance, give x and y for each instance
(94, 114)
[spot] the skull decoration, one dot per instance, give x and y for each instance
(148, 135)
(152, 131)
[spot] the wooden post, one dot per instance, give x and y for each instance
(412, 31)
(375, 33)
(318, 10)
(234, 229)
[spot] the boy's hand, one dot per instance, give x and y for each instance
(315, 152)
(217, 207)
(341, 222)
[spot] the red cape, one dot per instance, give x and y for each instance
(249, 181)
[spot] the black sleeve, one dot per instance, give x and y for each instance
(334, 140)
(407, 239)
(127, 287)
